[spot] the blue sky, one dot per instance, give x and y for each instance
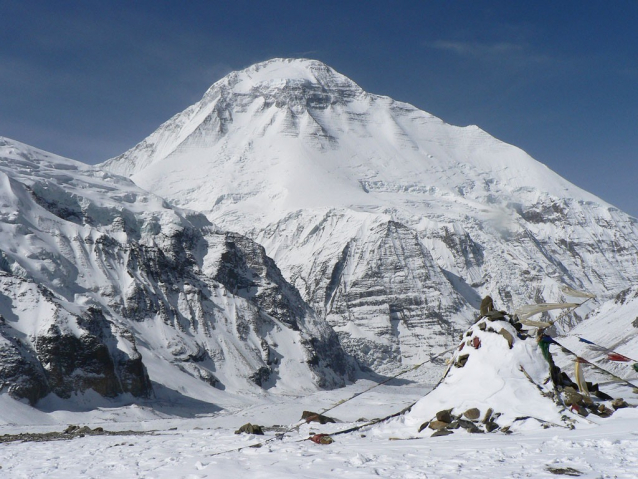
(89, 79)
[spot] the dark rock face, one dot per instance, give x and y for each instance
(91, 361)
(21, 375)
(62, 361)
(248, 272)
(92, 267)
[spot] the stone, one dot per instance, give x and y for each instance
(424, 425)
(460, 362)
(310, 416)
(444, 415)
(491, 426)
(495, 315)
(475, 430)
(438, 425)
(580, 410)
(508, 337)
(571, 396)
(619, 403)
(469, 426)
(482, 326)
(472, 414)
(564, 471)
(604, 411)
(442, 432)
(250, 429)
(488, 416)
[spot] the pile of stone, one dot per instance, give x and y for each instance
(446, 422)
(584, 405)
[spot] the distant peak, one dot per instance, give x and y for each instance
(286, 72)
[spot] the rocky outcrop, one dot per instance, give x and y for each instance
(66, 353)
(98, 277)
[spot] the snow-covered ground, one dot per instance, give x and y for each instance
(186, 443)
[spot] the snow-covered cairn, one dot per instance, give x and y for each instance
(498, 380)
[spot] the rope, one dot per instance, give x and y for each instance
(568, 351)
(297, 425)
(413, 368)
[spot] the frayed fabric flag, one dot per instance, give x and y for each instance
(580, 377)
(618, 357)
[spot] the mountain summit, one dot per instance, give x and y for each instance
(297, 133)
(391, 223)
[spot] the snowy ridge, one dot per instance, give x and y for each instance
(301, 159)
(103, 286)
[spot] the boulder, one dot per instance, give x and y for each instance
(603, 411)
(469, 426)
(508, 337)
(444, 415)
(571, 397)
(250, 429)
(442, 432)
(619, 403)
(460, 362)
(491, 426)
(488, 416)
(438, 424)
(310, 416)
(472, 414)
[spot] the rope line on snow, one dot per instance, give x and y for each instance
(297, 425)
(412, 368)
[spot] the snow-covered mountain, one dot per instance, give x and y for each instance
(104, 286)
(390, 222)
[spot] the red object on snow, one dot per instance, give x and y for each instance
(476, 342)
(322, 439)
(618, 357)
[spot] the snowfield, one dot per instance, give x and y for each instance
(189, 446)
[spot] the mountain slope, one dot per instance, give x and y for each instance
(104, 287)
(326, 176)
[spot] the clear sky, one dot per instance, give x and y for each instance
(89, 79)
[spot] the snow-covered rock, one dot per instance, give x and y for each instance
(390, 222)
(105, 287)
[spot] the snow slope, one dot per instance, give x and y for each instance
(188, 447)
(390, 222)
(105, 288)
